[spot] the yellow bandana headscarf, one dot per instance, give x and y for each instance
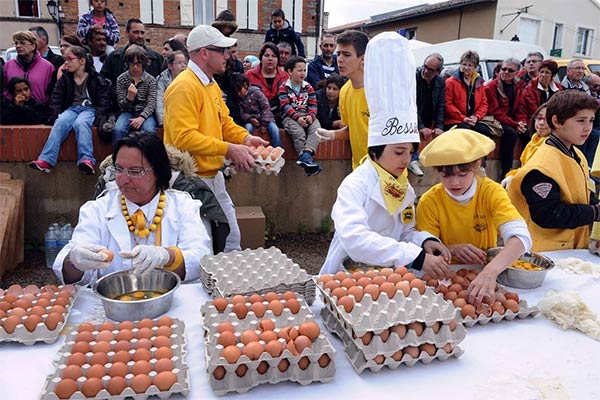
(393, 189)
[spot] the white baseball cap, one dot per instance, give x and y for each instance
(206, 35)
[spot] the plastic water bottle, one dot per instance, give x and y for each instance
(65, 235)
(51, 245)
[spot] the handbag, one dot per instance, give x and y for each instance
(495, 127)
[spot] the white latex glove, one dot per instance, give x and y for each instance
(325, 135)
(145, 257)
(506, 182)
(85, 257)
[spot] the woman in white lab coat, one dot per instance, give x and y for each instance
(167, 233)
(374, 212)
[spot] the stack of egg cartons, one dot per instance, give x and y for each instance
(255, 271)
(252, 340)
(389, 318)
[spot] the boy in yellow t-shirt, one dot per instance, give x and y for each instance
(467, 211)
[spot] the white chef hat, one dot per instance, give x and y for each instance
(390, 88)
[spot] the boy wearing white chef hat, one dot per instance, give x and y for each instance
(374, 211)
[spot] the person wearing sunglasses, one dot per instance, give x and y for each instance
(505, 99)
(142, 222)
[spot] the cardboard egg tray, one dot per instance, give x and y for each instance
(255, 271)
(524, 312)
(361, 358)
(394, 342)
(369, 315)
(231, 382)
(41, 333)
(267, 162)
(180, 368)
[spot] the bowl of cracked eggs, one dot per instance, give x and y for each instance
(527, 272)
(128, 296)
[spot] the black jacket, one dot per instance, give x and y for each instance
(439, 100)
(288, 35)
(98, 89)
(325, 117)
(114, 64)
(30, 113)
(54, 59)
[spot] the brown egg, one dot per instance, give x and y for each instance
(163, 352)
(324, 278)
(10, 323)
(291, 347)
(274, 348)
(331, 285)
(262, 367)
(164, 380)
(141, 367)
(45, 296)
(162, 341)
(500, 297)
(105, 336)
(450, 295)
(109, 254)
(225, 326)
(43, 303)
(98, 358)
(436, 327)
(266, 325)
(468, 310)
(455, 287)
(145, 323)
(91, 387)
(498, 307)
(258, 309)
(512, 305)
(276, 307)
(339, 292)
(452, 325)
(283, 365)
(357, 292)
(31, 289)
(15, 290)
(101, 347)
(428, 348)
(231, 354)
(76, 359)
(397, 356)
(253, 350)
(107, 326)
(284, 333)
(372, 290)
(122, 345)
(412, 351)
(418, 284)
(248, 336)
(61, 301)
(70, 288)
(143, 344)
(52, 320)
(72, 372)
(293, 305)
(340, 275)
(65, 388)
(31, 322)
(164, 364)
(126, 325)
(121, 356)
(356, 275)
(347, 283)
(63, 294)
(23, 303)
(400, 330)
(144, 333)
(404, 287)
(17, 311)
(142, 354)
(95, 371)
(241, 370)
(364, 281)
(227, 339)
(123, 334)
(372, 273)
(118, 369)
(418, 327)
(303, 363)
(267, 336)
(302, 342)
(347, 303)
(378, 280)
(409, 277)
(81, 347)
(269, 297)
(255, 298)
(384, 335)
(240, 310)
(5, 306)
(2, 314)
(140, 383)
(164, 331)
(459, 302)
(238, 299)
(366, 338)
(379, 359)
(394, 278)
(389, 288)
(116, 385)
(462, 294)
(309, 329)
(324, 361)
(433, 283)
(219, 373)
(447, 348)
(164, 321)
(483, 309)
(294, 333)
(512, 296)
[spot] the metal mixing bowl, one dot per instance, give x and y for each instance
(118, 283)
(522, 278)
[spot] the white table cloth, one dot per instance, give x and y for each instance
(520, 359)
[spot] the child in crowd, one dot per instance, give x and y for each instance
(282, 31)
(100, 17)
(328, 111)
(80, 96)
(298, 102)
(136, 95)
(255, 110)
(23, 109)
(468, 211)
(553, 191)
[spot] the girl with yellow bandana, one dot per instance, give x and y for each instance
(468, 211)
(374, 212)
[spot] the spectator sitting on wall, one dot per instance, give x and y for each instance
(81, 95)
(282, 31)
(298, 102)
(325, 64)
(176, 62)
(41, 36)
(100, 18)
(115, 64)
(23, 109)
(328, 102)
(96, 41)
(532, 67)
(255, 111)
(29, 63)
(541, 88)
(136, 95)
(65, 42)
(285, 52)
(574, 77)
(250, 62)
(170, 46)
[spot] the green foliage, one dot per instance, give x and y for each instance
(326, 224)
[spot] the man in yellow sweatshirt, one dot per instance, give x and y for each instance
(197, 120)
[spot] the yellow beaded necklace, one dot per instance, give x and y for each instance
(139, 227)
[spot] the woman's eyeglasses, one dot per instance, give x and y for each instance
(135, 172)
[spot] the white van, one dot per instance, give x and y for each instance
(490, 52)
